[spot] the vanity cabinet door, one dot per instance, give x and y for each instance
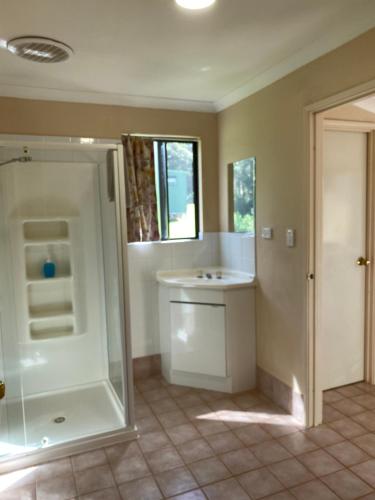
(198, 338)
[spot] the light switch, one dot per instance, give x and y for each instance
(290, 238)
(267, 233)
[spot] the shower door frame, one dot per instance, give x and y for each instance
(128, 432)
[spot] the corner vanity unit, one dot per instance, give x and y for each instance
(207, 329)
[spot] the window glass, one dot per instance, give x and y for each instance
(177, 189)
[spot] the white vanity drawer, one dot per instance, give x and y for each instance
(198, 338)
(195, 295)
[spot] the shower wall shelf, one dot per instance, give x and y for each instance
(50, 301)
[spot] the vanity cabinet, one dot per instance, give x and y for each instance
(208, 337)
(198, 338)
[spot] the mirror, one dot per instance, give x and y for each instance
(241, 183)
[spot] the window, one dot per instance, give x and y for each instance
(176, 164)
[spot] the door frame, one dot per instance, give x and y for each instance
(313, 140)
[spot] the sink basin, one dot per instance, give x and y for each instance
(190, 278)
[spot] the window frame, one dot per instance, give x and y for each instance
(163, 194)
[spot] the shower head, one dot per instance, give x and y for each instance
(21, 159)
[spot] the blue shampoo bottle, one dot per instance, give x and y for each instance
(49, 269)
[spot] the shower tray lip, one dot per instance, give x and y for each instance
(87, 442)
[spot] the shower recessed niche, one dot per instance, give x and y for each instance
(51, 308)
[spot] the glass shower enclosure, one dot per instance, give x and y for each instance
(64, 350)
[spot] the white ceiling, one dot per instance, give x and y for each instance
(367, 104)
(153, 53)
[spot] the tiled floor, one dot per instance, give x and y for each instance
(198, 445)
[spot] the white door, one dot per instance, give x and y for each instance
(341, 297)
(198, 338)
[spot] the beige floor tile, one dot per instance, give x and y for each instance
(366, 471)
(252, 434)
(208, 427)
(89, 459)
(366, 442)
(141, 489)
(297, 443)
(331, 414)
(365, 400)
(332, 396)
(163, 406)
(347, 453)
(240, 461)
(191, 495)
(224, 441)
(200, 412)
(148, 424)
(130, 469)
(182, 433)
(313, 490)
(366, 420)
(223, 490)
(189, 400)
(172, 419)
(176, 481)
(349, 391)
(122, 451)
(260, 483)
(61, 488)
(152, 441)
(346, 485)
(209, 470)
(283, 495)
(96, 478)
(155, 394)
(291, 472)
(107, 494)
(50, 470)
(323, 435)
(269, 452)
(347, 428)
(348, 407)
(192, 451)
(163, 460)
(320, 463)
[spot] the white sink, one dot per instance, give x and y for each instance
(222, 278)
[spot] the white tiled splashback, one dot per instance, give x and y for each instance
(235, 251)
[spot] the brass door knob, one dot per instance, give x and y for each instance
(362, 261)
(2, 389)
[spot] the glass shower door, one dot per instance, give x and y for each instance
(61, 293)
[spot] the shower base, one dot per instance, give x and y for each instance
(65, 415)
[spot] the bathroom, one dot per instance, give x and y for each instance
(182, 363)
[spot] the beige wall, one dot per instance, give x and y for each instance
(270, 126)
(22, 116)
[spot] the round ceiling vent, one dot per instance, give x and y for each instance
(39, 49)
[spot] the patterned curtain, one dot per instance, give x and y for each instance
(140, 177)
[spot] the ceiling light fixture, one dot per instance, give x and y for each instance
(195, 4)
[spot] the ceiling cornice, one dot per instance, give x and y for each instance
(48, 94)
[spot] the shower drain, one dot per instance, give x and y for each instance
(59, 420)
